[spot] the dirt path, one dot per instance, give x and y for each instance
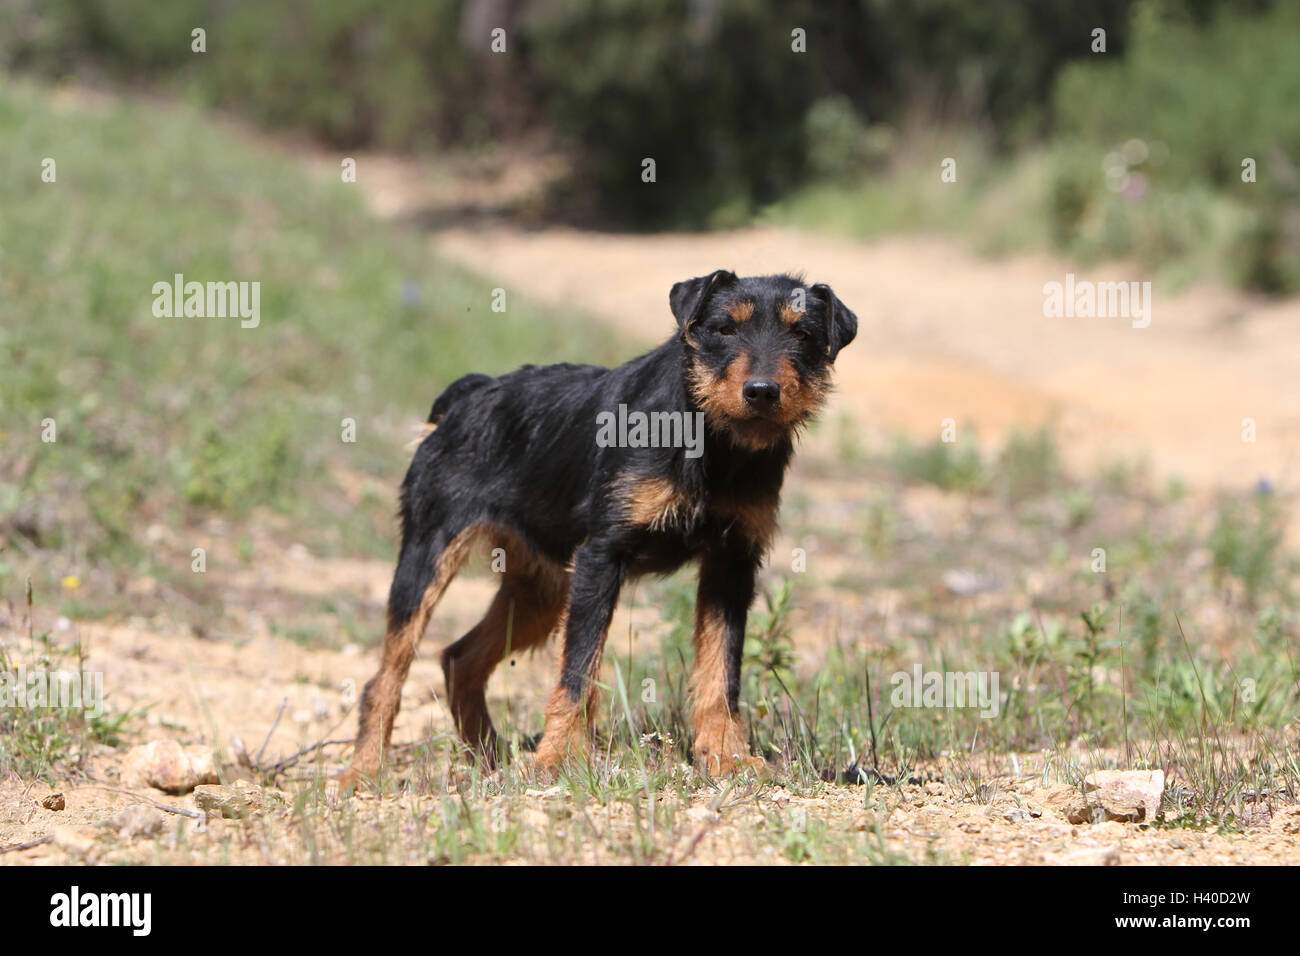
(944, 335)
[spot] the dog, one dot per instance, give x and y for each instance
(520, 463)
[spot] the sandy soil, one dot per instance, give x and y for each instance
(272, 697)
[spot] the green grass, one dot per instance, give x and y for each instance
(1028, 466)
(174, 422)
(1246, 544)
(901, 193)
(53, 727)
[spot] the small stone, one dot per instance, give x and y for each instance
(968, 583)
(864, 821)
(78, 842)
(702, 814)
(54, 801)
(1016, 815)
(550, 793)
(139, 820)
(235, 801)
(167, 766)
(1127, 796)
(1123, 796)
(1069, 803)
(1056, 797)
(1090, 856)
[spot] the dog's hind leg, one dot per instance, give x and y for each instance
(525, 611)
(424, 570)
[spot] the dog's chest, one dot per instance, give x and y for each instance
(670, 519)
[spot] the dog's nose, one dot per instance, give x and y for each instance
(762, 392)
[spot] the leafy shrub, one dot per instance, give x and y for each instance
(1203, 98)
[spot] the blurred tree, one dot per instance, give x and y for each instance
(712, 90)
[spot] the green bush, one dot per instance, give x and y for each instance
(629, 80)
(1028, 466)
(732, 115)
(940, 463)
(384, 73)
(1183, 109)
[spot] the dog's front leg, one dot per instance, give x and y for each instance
(597, 579)
(722, 604)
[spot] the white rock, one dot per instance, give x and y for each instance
(233, 802)
(168, 766)
(139, 820)
(1129, 796)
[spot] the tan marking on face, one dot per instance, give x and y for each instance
(788, 314)
(722, 396)
(800, 400)
(722, 399)
(427, 429)
(741, 311)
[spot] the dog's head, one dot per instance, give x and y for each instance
(759, 351)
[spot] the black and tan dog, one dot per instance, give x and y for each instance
(517, 462)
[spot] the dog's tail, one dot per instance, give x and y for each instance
(456, 391)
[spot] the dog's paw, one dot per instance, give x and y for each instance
(349, 781)
(728, 764)
(541, 773)
(721, 749)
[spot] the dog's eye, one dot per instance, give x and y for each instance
(728, 329)
(800, 333)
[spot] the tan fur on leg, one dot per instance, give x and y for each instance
(524, 613)
(382, 698)
(720, 744)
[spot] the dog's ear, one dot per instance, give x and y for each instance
(841, 323)
(688, 299)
